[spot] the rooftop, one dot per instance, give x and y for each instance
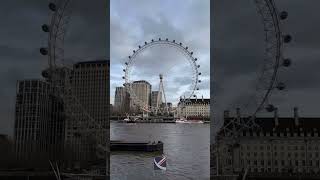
(94, 62)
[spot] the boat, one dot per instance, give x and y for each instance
(136, 146)
(196, 121)
(189, 121)
(130, 120)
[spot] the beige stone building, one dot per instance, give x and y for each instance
(282, 147)
(194, 108)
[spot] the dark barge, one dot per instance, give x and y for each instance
(136, 146)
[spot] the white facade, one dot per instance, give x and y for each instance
(283, 147)
(194, 108)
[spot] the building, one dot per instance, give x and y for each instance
(111, 109)
(166, 106)
(280, 147)
(39, 123)
(156, 98)
(142, 93)
(121, 101)
(88, 110)
(169, 106)
(194, 108)
(7, 158)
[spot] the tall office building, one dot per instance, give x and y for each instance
(89, 102)
(39, 123)
(155, 100)
(121, 101)
(142, 92)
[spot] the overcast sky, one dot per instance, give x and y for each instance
(238, 44)
(238, 51)
(21, 37)
(186, 21)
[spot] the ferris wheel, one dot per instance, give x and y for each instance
(267, 81)
(193, 67)
(59, 74)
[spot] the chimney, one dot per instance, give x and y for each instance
(296, 116)
(276, 117)
(238, 115)
(202, 97)
(226, 114)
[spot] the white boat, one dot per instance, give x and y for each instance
(196, 121)
(189, 121)
(181, 121)
(130, 119)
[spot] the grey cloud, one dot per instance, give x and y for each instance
(21, 37)
(238, 51)
(154, 19)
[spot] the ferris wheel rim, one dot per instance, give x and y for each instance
(268, 75)
(279, 44)
(188, 54)
(278, 40)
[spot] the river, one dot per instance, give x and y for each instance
(185, 145)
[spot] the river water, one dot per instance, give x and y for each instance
(185, 145)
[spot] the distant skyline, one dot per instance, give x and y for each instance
(146, 20)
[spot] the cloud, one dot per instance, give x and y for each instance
(131, 27)
(21, 37)
(239, 50)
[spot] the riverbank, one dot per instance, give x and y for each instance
(149, 121)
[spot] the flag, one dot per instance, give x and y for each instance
(160, 162)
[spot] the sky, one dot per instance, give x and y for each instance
(238, 50)
(186, 21)
(237, 46)
(21, 37)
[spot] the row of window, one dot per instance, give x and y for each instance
(281, 154)
(280, 147)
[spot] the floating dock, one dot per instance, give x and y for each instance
(136, 146)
